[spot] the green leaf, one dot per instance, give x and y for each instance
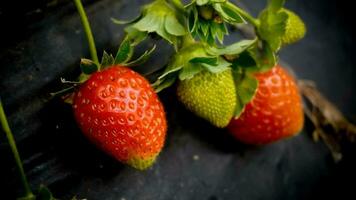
(143, 58)
(166, 82)
(202, 2)
(232, 49)
(188, 71)
(231, 12)
(206, 60)
(169, 70)
(149, 23)
(123, 22)
(221, 66)
(272, 27)
(172, 26)
(135, 36)
(124, 53)
(264, 56)
(275, 5)
(44, 194)
(192, 19)
(246, 87)
(244, 60)
(107, 60)
(204, 27)
(88, 66)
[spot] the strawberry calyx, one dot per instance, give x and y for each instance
(207, 19)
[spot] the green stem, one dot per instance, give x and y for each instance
(178, 4)
(5, 126)
(87, 30)
(245, 15)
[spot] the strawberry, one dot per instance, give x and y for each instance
(117, 109)
(295, 28)
(275, 112)
(211, 96)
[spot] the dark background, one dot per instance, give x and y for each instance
(42, 40)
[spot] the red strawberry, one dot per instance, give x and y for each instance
(118, 110)
(275, 112)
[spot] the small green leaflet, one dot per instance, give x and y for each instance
(124, 53)
(165, 82)
(143, 58)
(123, 22)
(220, 66)
(173, 26)
(205, 60)
(246, 87)
(188, 71)
(135, 36)
(88, 66)
(107, 60)
(264, 56)
(232, 49)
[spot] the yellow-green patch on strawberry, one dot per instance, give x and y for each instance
(211, 96)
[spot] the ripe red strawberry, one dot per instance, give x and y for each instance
(274, 113)
(118, 110)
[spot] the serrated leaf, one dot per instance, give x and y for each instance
(143, 58)
(107, 60)
(201, 2)
(206, 60)
(232, 49)
(188, 71)
(220, 66)
(166, 82)
(173, 27)
(124, 53)
(88, 66)
(246, 87)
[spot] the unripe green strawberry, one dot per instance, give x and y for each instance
(295, 28)
(211, 96)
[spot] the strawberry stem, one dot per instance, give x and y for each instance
(5, 126)
(87, 30)
(245, 15)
